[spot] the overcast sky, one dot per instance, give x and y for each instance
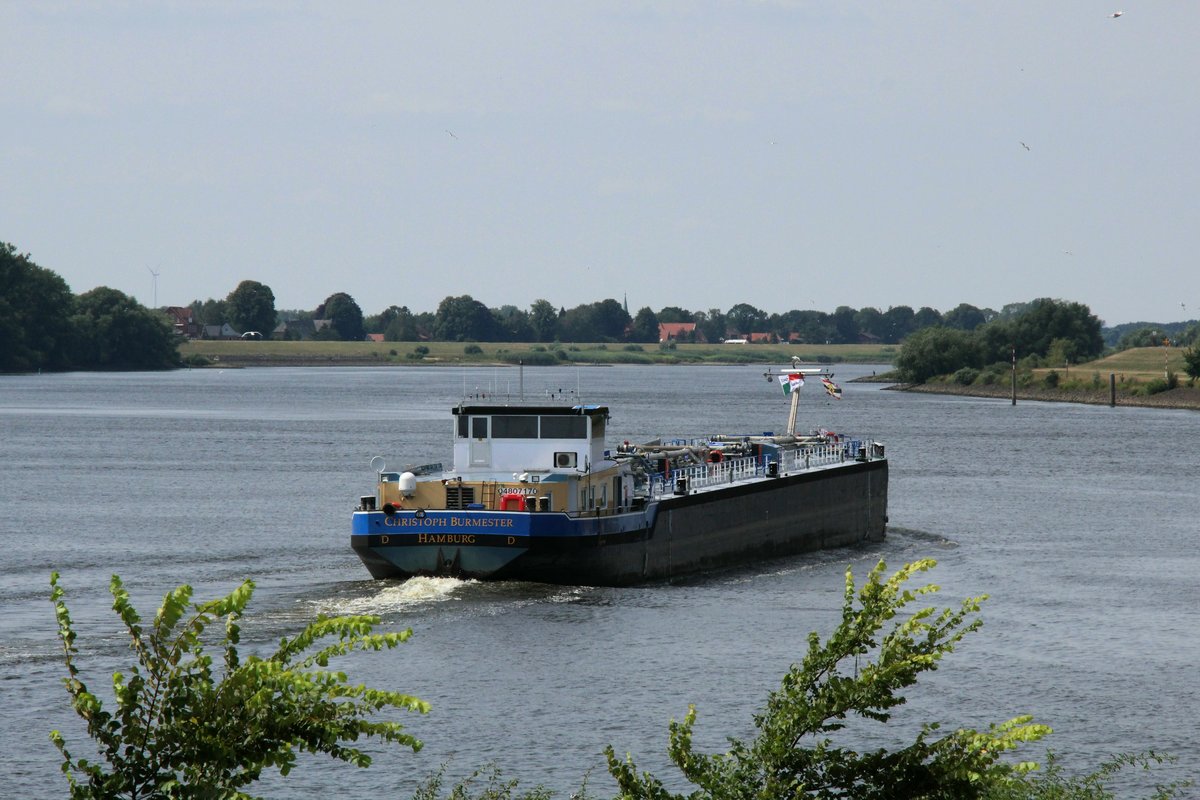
(700, 154)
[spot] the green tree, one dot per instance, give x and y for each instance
(845, 325)
(644, 327)
(899, 322)
(936, 351)
(1045, 320)
(1140, 337)
(578, 324)
(813, 327)
(462, 319)
(870, 321)
(251, 307)
(605, 321)
(997, 340)
(377, 323)
(612, 320)
(111, 330)
(1009, 311)
(402, 327)
(1061, 351)
(544, 319)
(182, 726)
(1191, 360)
(345, 317)
(964, 317)
(512, 324)
(746, 319)
(927, 317)
(675, 314)
(35, 311)
(857, 671)
(211, 312)
(711, 324)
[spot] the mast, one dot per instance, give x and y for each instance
(791, 424)
(782, 375)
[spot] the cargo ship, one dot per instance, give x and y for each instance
(536, 493)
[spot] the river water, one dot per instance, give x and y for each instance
(1080, 522)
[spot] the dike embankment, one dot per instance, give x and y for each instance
(1183, 397)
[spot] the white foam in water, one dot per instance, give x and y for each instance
(392, 597)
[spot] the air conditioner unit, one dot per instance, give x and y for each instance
(565, 460)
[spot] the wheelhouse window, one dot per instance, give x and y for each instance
(564, 427)
(514, 427)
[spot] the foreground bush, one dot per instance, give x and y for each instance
(861, 671)
(855, 672)
(182, 728)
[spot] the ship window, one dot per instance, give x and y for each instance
(514, 427)
(462, 427)
(564, 427)
(479, 426)
(597, 427)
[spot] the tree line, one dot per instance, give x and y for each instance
(44, 326)
(965, 340)
(464, 319)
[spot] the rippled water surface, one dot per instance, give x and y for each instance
(1080, 523)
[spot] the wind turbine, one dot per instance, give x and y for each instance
(154, 276)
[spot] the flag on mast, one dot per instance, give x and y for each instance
(791, 382)
(832, 388)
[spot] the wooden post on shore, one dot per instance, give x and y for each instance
(1112, 389)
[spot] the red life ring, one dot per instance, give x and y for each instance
(715, 456)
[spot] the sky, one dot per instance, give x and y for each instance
(789, 155)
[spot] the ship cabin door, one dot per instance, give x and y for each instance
(481, 443)
(619, 498)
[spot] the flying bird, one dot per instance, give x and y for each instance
(452, 136)
(1115, 14)
(1024, 145)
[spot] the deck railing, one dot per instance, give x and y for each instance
(731, 470)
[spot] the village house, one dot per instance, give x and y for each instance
(183, 321)
(679, 332)
(300, 329)
(224, 331)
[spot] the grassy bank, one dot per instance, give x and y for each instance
(272, 353)
(1140, 377)
(1135, 364)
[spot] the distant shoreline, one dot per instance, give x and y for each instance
(451, 354)
(1183, 397)
(218, 353)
